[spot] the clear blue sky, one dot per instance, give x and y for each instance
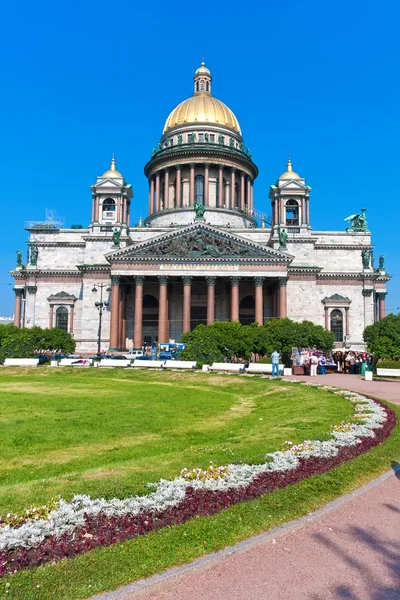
(82, 80)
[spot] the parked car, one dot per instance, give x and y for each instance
(76, 356)
(134, 354)
(144, 357)
(165, 356)
(119, 357)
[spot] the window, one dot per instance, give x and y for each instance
(199, 189)
(212, 137)
(208, 86)
(109, 205)
(202, 85)
(292, 212)
(197, 86)
(337, 324)
(62, 318)
(201, 137)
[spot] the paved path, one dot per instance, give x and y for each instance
(350, 551)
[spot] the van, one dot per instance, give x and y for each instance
(135, 353)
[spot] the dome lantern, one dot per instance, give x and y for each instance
(202, 80)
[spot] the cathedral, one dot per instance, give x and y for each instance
(204, 252)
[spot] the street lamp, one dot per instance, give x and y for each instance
(100, 307)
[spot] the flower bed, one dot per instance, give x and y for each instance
(70, 528)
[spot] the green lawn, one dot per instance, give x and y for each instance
(108, 433)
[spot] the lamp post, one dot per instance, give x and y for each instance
(102, 305)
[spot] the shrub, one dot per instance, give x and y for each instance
(388, 364)
(383, 338)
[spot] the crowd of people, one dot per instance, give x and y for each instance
(315, 362)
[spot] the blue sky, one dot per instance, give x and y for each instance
(314, 79)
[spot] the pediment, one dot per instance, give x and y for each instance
(198, 242)
(107, 183)
(292, 184)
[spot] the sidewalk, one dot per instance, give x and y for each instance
(350, 552)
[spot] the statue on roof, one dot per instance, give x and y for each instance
(366, 257)
(116, 238)
(33, 255)
(283, 238)
(19, 258)
(381, 266)
(358, 223)
(199, 209)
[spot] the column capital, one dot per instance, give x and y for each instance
(207, 165)
(178, 167)
(381, 295)
(282, 281)
(115, 279)
(211, 281)
(162, 279)
(367, 293)
(192, 165)
(187, 280)
(166, 170)
(259, 281)
(235, 281)
(32, 289)
(233, 169)
(139, 279)
(18, 291)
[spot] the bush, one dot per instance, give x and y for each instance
(26, 342)
(388, 364)
(383, 338)
(265, 360)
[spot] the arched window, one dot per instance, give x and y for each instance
(208, 86)
(247, 310)
(109, 205)
(197, 86)
(292, 212)
(202, 85)
(62, 318)
(199, 189)
(337, 324)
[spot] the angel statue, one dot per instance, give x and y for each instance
(199, 209)
(357, 222)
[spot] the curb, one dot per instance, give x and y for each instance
(245, 544)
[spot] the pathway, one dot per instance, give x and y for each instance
(347, 551)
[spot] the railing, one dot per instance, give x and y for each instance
(159, 151)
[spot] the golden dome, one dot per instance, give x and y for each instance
(112, 173)
(204, 109)
(289, 174)
(202, 70)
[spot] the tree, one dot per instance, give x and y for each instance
(25, 342)
(383, 338)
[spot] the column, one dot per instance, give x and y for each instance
(235, 298)
(206, 183)
(51, 316)
(114, 321)
(247, 203)
(303, 212)
(97, 210)
(252, 192)
(178, 186)
(166, 189)
(17, 306)
(233, 181)
(191, 184)
(282, 219)
(326, 318)
(71, 318)
(259, 299)
(369, 309)
(122, 318)
(187, 288)
(308, 210)
(382, 307)
(282, 281)
(93, 206)
(157, 192)
(138, 324)
(211, 299)
(162, 308)
(151, 199)
(221, 199)
(242, 191)
(346, 310)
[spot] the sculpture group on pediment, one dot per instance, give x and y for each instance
(200, 244)
(358, 223)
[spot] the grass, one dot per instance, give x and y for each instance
(162, 423)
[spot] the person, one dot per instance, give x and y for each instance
(322, 367)
(275, 363)
(313, 365)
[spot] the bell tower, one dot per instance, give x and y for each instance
(290, 202)
(111, 200)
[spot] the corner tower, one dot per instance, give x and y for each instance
(201, 159)
(290, 202)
